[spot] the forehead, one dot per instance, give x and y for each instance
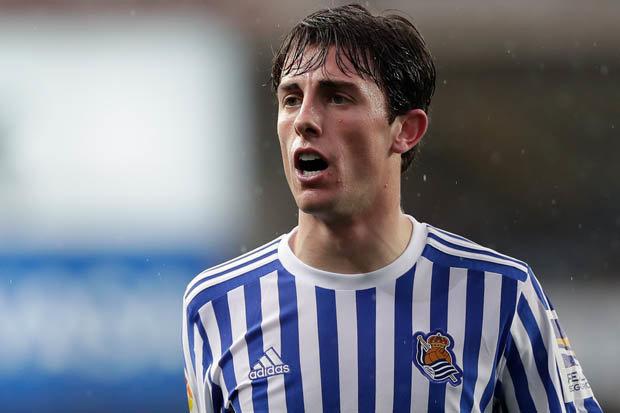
(315, 63)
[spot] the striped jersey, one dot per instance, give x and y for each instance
(448, 326)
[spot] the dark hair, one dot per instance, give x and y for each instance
(387, 49)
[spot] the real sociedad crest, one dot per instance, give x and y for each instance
(435, 359)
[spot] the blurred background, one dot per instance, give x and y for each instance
(138, 147)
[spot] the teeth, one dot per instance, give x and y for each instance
(311, 173)
(309, 156)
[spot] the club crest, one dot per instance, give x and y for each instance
(435, 359)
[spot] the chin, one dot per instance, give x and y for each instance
(328, 209)
(314, 207)
(315, 204)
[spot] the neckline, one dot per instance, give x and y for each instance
(360, 281)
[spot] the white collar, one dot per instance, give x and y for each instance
(361, 281)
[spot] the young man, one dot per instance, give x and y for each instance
(361, 308)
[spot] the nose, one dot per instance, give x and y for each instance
(308, 121)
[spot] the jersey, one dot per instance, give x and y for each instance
(448, 326)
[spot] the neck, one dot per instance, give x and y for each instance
(357, 244)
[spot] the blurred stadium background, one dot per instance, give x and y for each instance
(138, 146)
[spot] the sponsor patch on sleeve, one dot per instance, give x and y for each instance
(575, 385)
(190, 396)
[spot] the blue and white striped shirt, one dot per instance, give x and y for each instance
(448, 326)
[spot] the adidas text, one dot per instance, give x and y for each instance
(268, 371)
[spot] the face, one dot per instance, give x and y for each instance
(335, 140)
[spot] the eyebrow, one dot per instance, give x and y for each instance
(323, 84)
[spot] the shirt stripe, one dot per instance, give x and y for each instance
(384, 366)
(328, 348)
(270, 325)
(518, 376)
(201, 351)
(229, 267)
(469, 246)
(438, 321)
(208, 388)
(540, 353)
(570, 407)
(475, 254)
(238, 348)
(218, 285)
(240, 258)
(452, 258)
(457, 297)
(539, 292)
(222, 315)
(309, 347)
(289, 327)
(508, 302)
(346, 314)
(421, 322)
(506, 400)
(489, 334)
(591, 405)
(365, 301)
(254, 338)
(212, 337)
(473, 333)
(403, 344)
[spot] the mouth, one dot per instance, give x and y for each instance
(309, 163)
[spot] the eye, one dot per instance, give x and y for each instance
(291, 100)
(339, 99)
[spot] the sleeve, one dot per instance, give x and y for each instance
(196, 354)
(540, 371)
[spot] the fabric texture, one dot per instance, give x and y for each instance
(448, 326)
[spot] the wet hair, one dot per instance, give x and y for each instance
(387, 49)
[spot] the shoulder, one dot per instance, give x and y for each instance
(451, 250)
(218, 280)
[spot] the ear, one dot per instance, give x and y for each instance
(413, 125)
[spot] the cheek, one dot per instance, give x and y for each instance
(365, 139)
(283, 133)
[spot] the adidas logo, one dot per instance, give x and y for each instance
(270, 364)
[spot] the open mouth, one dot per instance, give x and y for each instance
(310, 163)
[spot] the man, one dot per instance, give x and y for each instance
(361, 307)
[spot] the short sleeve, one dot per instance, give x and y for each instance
(540, 371)
(197, 360)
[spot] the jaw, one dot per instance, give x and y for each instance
(339, 194)
(333, 204)
(315, 201)
(343, 200)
